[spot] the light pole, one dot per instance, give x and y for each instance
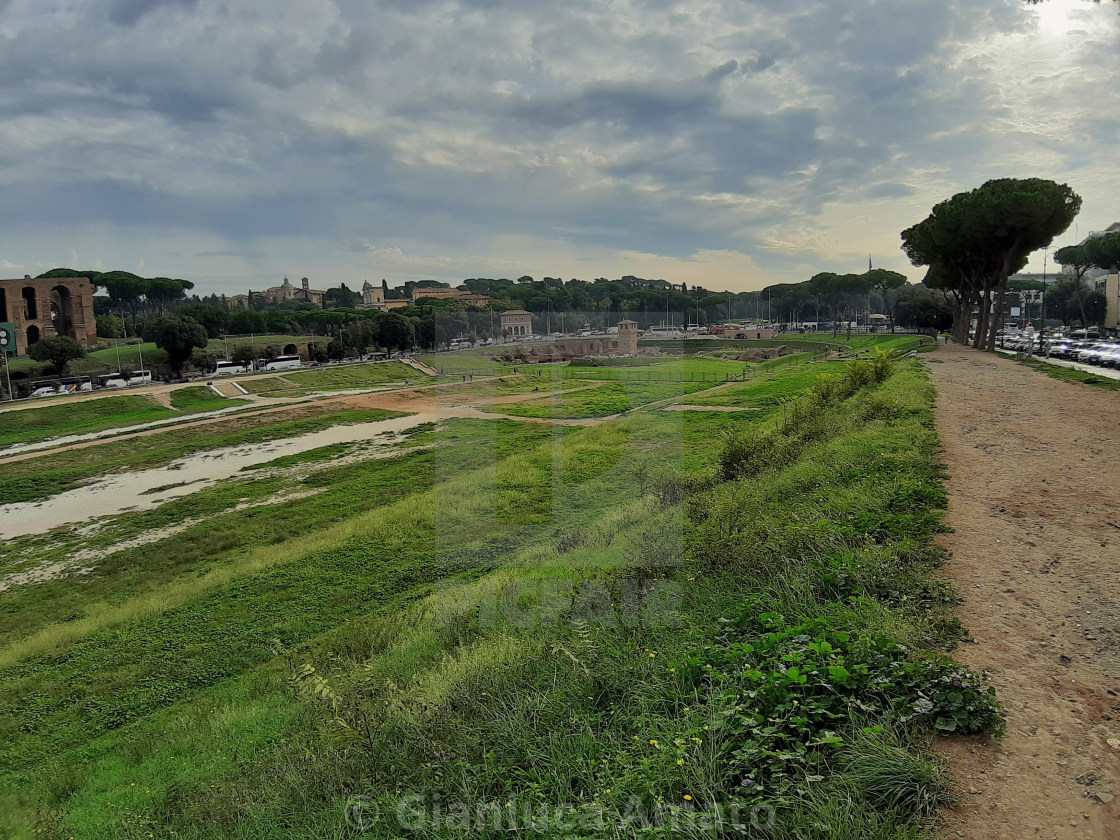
(7, 339)
(1042, 335)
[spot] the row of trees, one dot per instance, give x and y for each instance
(185, 339)
(836, 297)
(973, 242)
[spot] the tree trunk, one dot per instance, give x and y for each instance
(997, 321)
(982, 321)
(962, 313)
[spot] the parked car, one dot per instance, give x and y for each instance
(1110, 356)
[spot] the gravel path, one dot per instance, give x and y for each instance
(1036, 554)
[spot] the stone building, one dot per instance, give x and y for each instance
(381, 298)
(49, 307)
(286, 291)
(742, 331)
(624, 343)
(377, 297)
(440, 293)
(517, 322)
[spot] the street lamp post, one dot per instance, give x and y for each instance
(1042, 335)
(9, 339)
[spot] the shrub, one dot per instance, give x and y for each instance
(789, 692)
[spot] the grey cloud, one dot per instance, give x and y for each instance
(593, 122)
(638, 105)
(128, 12)
(889, 190)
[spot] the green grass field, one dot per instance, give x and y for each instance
(600, 401)
(669, 609)
(38, 423)
(769, 389)
(44, 475)
(477, 361)
(808, 343)
(332, 378)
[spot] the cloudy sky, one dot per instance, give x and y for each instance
(732, 143)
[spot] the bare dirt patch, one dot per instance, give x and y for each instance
(1036, 554)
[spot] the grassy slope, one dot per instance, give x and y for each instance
(213, 738)
(99, 360)
(769, 389)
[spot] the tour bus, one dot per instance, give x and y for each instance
(282, 363)
(224, 368)
(55, 387)
(117, 380)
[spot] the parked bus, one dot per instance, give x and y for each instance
(117, 380)
(281, 363)
(56, 387)
(232, 368)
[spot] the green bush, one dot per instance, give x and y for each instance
(789, 692)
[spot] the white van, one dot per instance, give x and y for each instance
(59, 387)
(115, 380)
(283, 363)
(232, 368)
(112, 380)
(44, 389)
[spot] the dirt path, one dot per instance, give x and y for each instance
(1035, 510)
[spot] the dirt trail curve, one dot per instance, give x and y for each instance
(1036, 555)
